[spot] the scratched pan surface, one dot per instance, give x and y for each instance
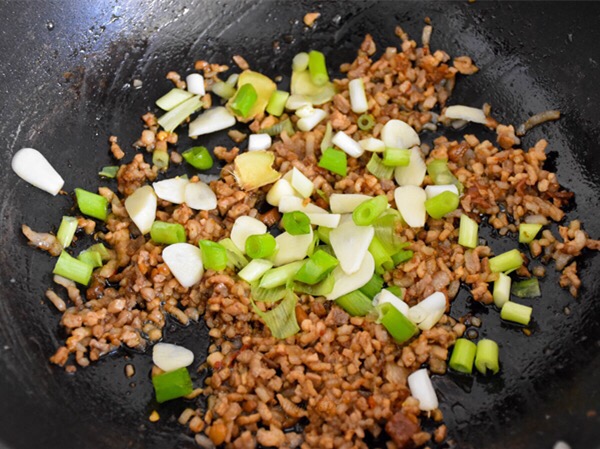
(66, 75)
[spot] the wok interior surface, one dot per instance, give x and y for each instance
(66, 84)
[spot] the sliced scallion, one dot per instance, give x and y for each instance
(356, 303)
(365, 122)
(399, 327)
(528, 232)
(323, 234)
(316, 267)
(441, 204)
(402, 256)
(366, 213)
(282, 319)
(300, 62)
(528, 288)
(269, 295)
(317, 68)
(172, 385)
(383, 260)
(440, 174)
(486, 358)
(173, 98)
(260, 246)
(198, 157)
(235, 258)
(66, 230)
(395, 290)
(335, 161)
(319, 289)
(507, 261)
(326, 142)
(280, 275)
(396, 157)
(277, 102)
(501, 292)
(377, 168)
(255, 269)
(102, 250)
(160, 158)
(180, 113)
(92, 204)
(215, 255)
(296, 223)
(463, 356)
(385, 230)
(518, 313)
(278, 128)
(167, 233)
(76, 270)
(468, 234)
(223, 89)
(244, 100)
(374, 286)
(92, 258)
(109, 171)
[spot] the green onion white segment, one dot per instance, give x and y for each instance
(169, 357)
(421, 388)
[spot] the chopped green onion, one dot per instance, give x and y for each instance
(172, 385)
(278, 128)
(365, 122)
(277, 102)
(507, 261)
(92, 204)
(468, 234)
(402, 256)
(323, 234)
(173, 98)
(296, 223)
(223, 90)
(260, 246)
(529, 288)
(179, 114)
(109, 171)
(501, 293)
(198, 157)
(269, 295)
(235, 258)
(441, 175)
(281, 320)
(101, 249)
(244, 100)
(399, 327)
(441, 204)
(316, 267)
(66, 230)
(215, 256)
(518, 313)
(487, 356)
(463, 356)
(76, 270)
(300, 62)
(319, 289)
(376, 167)
(167, 233)
(335, 161)
(160, 158)
(280, 275)
(395, 290)
(92, 258)
(385, 230)
(528, 232)
(255, 269)
(317, 68)
(326, 142)
(367, 212)
(371, 288)
(356, 303)
(396, 157)
(383, 260)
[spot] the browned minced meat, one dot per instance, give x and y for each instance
(345, 374)
(115, 149)
(42, 240)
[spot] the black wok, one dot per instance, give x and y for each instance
(66, 73)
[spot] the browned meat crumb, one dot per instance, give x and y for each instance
(115, 149)
(241, 62)
(176, 79)
(42, 240)
(310, 18)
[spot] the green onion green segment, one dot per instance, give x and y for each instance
(214, 255)
(296, 223)
(335, 161)
(198, 157)
(76, 270)
(260, 246)
(517, 313)
(167, 233)
(317, 68)
(172, 385)
(507, 261)
(316, 267)
(92, 204)
(244, 100)
(463, 356)
(356, 303)
(468, 233)
(441, 204)
(66, 230)
(399, 327)
(367, 212)
(486, 358)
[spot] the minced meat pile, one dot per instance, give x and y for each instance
(340, 378)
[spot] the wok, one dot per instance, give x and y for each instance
(66, 78)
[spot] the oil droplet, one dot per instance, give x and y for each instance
(50, 25)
